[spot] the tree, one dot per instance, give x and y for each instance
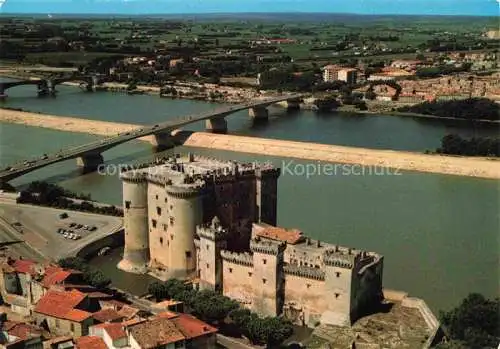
(475, 322)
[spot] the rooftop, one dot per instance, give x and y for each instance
(291, 236)
(62, 304)
(90, 342)
(179, 170)
(156, 332)
(107, 315)
(115, 330)
(192, 327)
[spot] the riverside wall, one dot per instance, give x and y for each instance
(398, 160)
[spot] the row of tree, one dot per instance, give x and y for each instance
(471, 109)
(91, 276)
(456, 145)
(47, 194)
(217, 309)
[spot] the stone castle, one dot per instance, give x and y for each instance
(215, 222)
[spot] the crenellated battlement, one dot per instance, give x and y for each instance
(306, 272)
(238, 258)
(210, 233)
(184, 191)
(343, 258)
(267, 246)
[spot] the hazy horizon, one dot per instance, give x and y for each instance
(179, 7)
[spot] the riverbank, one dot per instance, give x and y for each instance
(400, 160)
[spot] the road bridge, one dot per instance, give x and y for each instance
(47, 86)
(89, 156)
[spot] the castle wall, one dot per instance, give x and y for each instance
(135, 221)
(267, 196)
(158, 213)
(209, 262)
(305, 299)
(238, 282)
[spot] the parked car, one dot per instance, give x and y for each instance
(63, 215)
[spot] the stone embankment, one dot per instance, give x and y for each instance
(400, 160)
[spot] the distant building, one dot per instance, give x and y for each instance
(330, 73)
(349, 75)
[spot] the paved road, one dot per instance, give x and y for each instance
(8, 233)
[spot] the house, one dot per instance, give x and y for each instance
(330, 72)
(166, 330)
(64, 312)
(349, 75)
(16, 335)
(24, 282)
(114, 335)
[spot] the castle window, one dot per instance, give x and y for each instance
(264, 281)
(208, 247)
(127, 204)
(156, 196)
(337, 274)
(188, 254)
(264, 261)
(171, 220)
(230, 270)
(161, 241)
(250, 273)
(166, 199)
(308, 285)
(165, 227)
(208, 266)
(153, 222)
(158, 210)
(72, 327)
(337, 295)
(171, 237)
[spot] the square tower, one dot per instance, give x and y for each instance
(268, 280)
(209, 260)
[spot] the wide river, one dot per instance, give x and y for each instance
(439, 234)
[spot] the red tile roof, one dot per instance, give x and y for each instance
(291, 236)
(62, 304)
(115, 330)
(55, 275)
(156, 332)
(107, 315)
(24, 266)
(90, 342)
(21, 330)
(192, 327)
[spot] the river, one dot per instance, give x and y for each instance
(439, 234)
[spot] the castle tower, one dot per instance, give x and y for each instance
(135, 204)
(353, 283)
(267, 195)
(185, 209)
(268, 278)
(212, 241)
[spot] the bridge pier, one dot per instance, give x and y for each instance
(293, 104)
(163, 141)
(216, 125)
(3, 95)
(258, 113)
(89, 162)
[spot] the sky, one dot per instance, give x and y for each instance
(423, 7)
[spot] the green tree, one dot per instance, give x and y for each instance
(475, 322)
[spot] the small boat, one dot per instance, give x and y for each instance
(103, 251)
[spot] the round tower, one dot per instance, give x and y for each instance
(135, 220)
(185, 213)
